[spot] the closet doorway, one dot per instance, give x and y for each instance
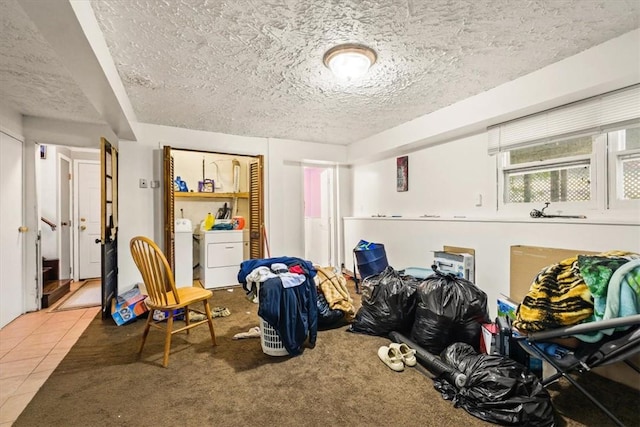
(226, 185)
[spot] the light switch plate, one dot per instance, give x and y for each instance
(155, 183)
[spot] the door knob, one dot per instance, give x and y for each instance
(98, 240)
(83, 227)
(82, 219)
(23, 229)
(63, 223)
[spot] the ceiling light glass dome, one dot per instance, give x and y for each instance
(349, 61)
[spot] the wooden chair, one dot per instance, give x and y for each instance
(163, 294)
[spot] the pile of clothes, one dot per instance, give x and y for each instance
(295, 298)
(287, 298)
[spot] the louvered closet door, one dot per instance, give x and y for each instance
(108, 224)
(169, 223)
(256, 220)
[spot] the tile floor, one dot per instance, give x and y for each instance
(31, 347)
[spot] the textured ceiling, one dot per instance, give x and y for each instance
(33, 80)
(254, 67)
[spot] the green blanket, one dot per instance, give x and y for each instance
(615, 286)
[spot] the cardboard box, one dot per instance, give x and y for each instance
(128, 306)
(488, 338)
(507, 307)
(526, 263)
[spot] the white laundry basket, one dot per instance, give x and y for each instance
(270, 340)
(269, 337)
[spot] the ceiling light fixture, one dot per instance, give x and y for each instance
(349, 61)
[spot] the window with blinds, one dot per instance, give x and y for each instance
(583, 155)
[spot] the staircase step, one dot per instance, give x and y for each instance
(54, 290)
(46, 273)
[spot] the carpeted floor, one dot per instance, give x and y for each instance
(341, 381)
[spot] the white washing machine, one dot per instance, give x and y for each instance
(183, 246)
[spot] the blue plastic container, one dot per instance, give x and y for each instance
(371, 258)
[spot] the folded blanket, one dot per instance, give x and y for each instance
(334, 288)
(559, 296)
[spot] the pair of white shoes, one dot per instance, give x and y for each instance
(397, 355)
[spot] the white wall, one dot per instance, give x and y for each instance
(136, 211)
(443, 179)
(11, 122)
(285, 179)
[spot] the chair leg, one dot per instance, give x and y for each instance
(186, 317)
(167, 340)
(207, 311)
(146, 330)
(593, 399)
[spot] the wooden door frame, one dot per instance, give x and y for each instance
(71, 208)
(108, 226)
(76, 212)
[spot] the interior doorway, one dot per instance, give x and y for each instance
(12, 229)
(87, 185)
(64, 213)
(319, 215)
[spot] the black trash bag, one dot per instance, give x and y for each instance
(388, 304)
(498, 389)
(326, 316)
(449, 309)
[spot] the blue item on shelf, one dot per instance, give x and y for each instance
(180, 186)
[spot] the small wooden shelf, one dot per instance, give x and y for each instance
(195, 195)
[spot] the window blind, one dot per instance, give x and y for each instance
(601, 113)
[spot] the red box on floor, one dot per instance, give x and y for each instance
(488, 338)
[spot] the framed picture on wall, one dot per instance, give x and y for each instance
(402, 173)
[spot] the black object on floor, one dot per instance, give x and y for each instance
(432, 362)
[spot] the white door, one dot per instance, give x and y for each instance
(88, 226)
(64, 179)
(11, 238)
(318, 218)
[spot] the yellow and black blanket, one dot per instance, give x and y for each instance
(559, 296)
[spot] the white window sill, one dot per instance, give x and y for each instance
(594, 220)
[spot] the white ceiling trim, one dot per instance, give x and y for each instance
(58, 23)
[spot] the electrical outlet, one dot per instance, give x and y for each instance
(143, 183)
(155, 183)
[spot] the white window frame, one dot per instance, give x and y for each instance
(615, 156)
(597, 116)
(566, 208)
(605, 177)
